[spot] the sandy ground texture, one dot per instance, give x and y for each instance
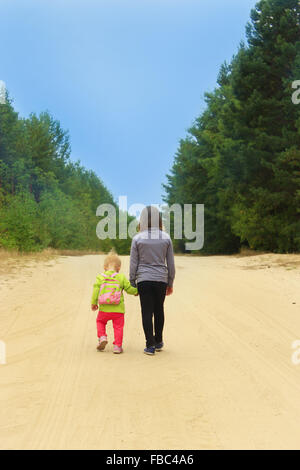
(225, 380)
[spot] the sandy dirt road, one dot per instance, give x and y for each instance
(224, 381)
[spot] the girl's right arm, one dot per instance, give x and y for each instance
(134, 262)
(96, 289)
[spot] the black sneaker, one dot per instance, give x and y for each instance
(159, 347)
(150, 351)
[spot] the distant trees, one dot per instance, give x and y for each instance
(46, 200)
(241, 158)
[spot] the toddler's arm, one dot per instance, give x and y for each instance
(95, 294)
(129, 288)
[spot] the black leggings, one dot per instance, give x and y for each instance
(152, 296)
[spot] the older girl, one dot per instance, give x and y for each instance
(152, 270)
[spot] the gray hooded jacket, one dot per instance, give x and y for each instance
(152, 257)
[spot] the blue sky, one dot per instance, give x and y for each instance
(125, 77)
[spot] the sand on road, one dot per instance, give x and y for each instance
(225, 380)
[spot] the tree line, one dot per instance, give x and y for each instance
(46, 199)
(241, 156)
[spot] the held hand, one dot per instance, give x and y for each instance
(94, 307)
(169, 291)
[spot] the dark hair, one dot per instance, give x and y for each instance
(150, 215)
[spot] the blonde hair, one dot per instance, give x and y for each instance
(112, 260)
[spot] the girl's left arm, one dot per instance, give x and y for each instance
(128, 287)
(171, 265)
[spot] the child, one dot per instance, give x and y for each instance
(108, 294)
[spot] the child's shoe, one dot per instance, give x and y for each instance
(159, 347)
(150, 351)
(102, 343)
(118, 349)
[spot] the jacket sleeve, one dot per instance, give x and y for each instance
(134, 262)
(170, 264)
(128, 287)
(96, 289)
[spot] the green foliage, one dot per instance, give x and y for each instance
(242, 155)
(18, 222)
(46, 200)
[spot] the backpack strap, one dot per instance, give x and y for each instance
(108, 281)
(110, 275)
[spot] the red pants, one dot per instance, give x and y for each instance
(118, 324)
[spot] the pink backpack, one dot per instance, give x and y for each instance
(110, 290)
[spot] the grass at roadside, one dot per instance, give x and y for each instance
(10, 261)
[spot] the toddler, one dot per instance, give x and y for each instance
(108, 297)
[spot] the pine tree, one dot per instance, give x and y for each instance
(241, 157)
